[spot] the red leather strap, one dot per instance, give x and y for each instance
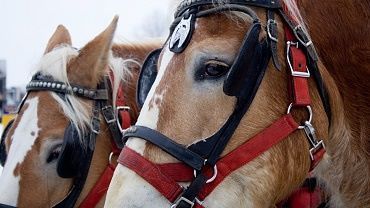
(151, 173)
(300, 89)
(317, 156)
(252, 148)
(164, 177)
(124, 114)
(99, 189)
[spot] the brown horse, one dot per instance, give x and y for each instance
(188, 103)
(340, 32)
(34, 142)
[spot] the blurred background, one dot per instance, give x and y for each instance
(26, 26)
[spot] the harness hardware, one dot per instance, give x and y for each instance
(312, 138)
(215, 172)
(302, 36)
(190, 203)
(271, 23)
(309, 110)
(118, 109)
(295, 73)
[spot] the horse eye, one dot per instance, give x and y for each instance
(215, 69)
(54, 155)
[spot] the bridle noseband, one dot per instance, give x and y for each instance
(249, 66)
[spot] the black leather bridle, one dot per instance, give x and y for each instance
(206, 153)
(101, 99)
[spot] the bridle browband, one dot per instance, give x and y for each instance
(204, 157)
(101, 99)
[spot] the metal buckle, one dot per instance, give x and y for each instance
(118, 109)
(271, 22)
(295, 73)
(309, 110)
(312, 138)
(300, 34)
(215, 172)
(191, 203)
(108, 114)
(95, 121)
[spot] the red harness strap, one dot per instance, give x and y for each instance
(297, 64)
(123, 113)
(101, 186)
(164, 177)
(99, 189)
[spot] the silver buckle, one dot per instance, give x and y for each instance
(295, 73)
(270, 22)
(312, 138)
(111, 120)
(118, 109)
(300, 28)
(182, 199)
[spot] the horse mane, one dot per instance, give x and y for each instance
(75, 109)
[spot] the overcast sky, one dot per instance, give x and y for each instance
(26, 26)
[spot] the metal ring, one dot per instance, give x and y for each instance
(110, 158)
(215, 172)
(309, 110)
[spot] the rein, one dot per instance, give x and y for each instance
(201, 164)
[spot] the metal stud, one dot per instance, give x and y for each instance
(64, 86)
(44, 84)
(91, 93)
(53, 85)
(75, 89)
(81, 91)
(86, 92)
(49, 84)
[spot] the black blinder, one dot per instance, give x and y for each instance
(73, 155)
(147, 76)
(3, 154)
(249, 64)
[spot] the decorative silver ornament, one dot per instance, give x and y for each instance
(181, 32)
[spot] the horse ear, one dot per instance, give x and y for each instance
(89, 66)
(60, 36)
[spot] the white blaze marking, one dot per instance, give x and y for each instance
(127, 189)
(149, 117)
(22, 142)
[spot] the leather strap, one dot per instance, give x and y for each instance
(176, 150)
(299, 71)
(151, 173)
(272, 35)
(187, 4)
(99, 190)
(164, 177)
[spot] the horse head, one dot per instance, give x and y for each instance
(230, 99)
(61, 141)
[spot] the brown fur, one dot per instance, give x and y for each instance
(340, 32)
(60, 36)
(186, 114)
